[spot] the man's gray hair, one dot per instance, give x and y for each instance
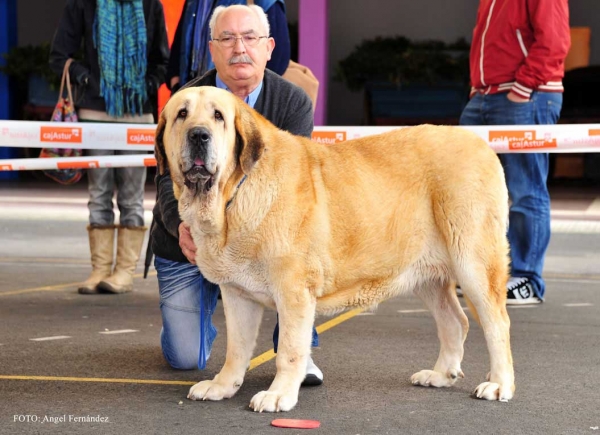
(262, 18)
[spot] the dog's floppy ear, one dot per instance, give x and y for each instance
(159, 147)
(249, 141)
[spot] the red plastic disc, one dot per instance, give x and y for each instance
(296, 424)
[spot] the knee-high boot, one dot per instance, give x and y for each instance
(102, 240)
(129, 246)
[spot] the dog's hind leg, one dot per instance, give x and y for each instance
(243, 317)
(487, 293)
(452, 328)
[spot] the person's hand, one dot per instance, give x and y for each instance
(174, 85)
(186, 243)
(516, 99)
(83, 79)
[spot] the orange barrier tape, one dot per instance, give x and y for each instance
(121, 161)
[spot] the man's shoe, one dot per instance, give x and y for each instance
(314, 376)
(520, 292)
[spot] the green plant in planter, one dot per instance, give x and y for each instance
(401, 61)
(21, 62)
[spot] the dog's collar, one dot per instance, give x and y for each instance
(236, 191)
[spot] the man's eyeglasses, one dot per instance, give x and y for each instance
(247, 40)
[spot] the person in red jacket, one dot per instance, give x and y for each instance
(517, 65)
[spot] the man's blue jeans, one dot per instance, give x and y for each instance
(526, 175)
(187, 303)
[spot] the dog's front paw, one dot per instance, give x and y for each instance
(430, 378)
(211, 390)
(273, 401)
(493, 391)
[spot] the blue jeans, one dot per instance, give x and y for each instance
(187, 303)
(526, 175)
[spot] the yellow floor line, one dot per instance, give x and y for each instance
(337, 320)
(58, 287)
(44, 260)
(104, 380)
(259, 360)
(49, 288)
(270, 354)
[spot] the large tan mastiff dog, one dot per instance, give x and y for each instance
(304, 228)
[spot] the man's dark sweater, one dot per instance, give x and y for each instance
(284, 104)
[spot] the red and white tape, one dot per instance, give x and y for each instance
(570, 138)
(84, 135)
(120, 161)
(556, 138)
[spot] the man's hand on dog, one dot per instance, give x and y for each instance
(186, 243)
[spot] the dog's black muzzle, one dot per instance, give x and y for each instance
(198, 178)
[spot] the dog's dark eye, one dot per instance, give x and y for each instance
(218, 115)
(182, 114)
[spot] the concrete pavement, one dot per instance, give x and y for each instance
(92, 364)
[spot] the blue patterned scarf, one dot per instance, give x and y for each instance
(120, 39)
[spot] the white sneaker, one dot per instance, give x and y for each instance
(314, 375)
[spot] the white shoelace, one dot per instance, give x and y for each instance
(514, 282)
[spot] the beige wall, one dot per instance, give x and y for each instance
(350, 23)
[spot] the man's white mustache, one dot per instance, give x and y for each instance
(240, 59)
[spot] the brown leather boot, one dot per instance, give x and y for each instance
(129, 246)
(102, 242)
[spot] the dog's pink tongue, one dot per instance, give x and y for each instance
(198, 161)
